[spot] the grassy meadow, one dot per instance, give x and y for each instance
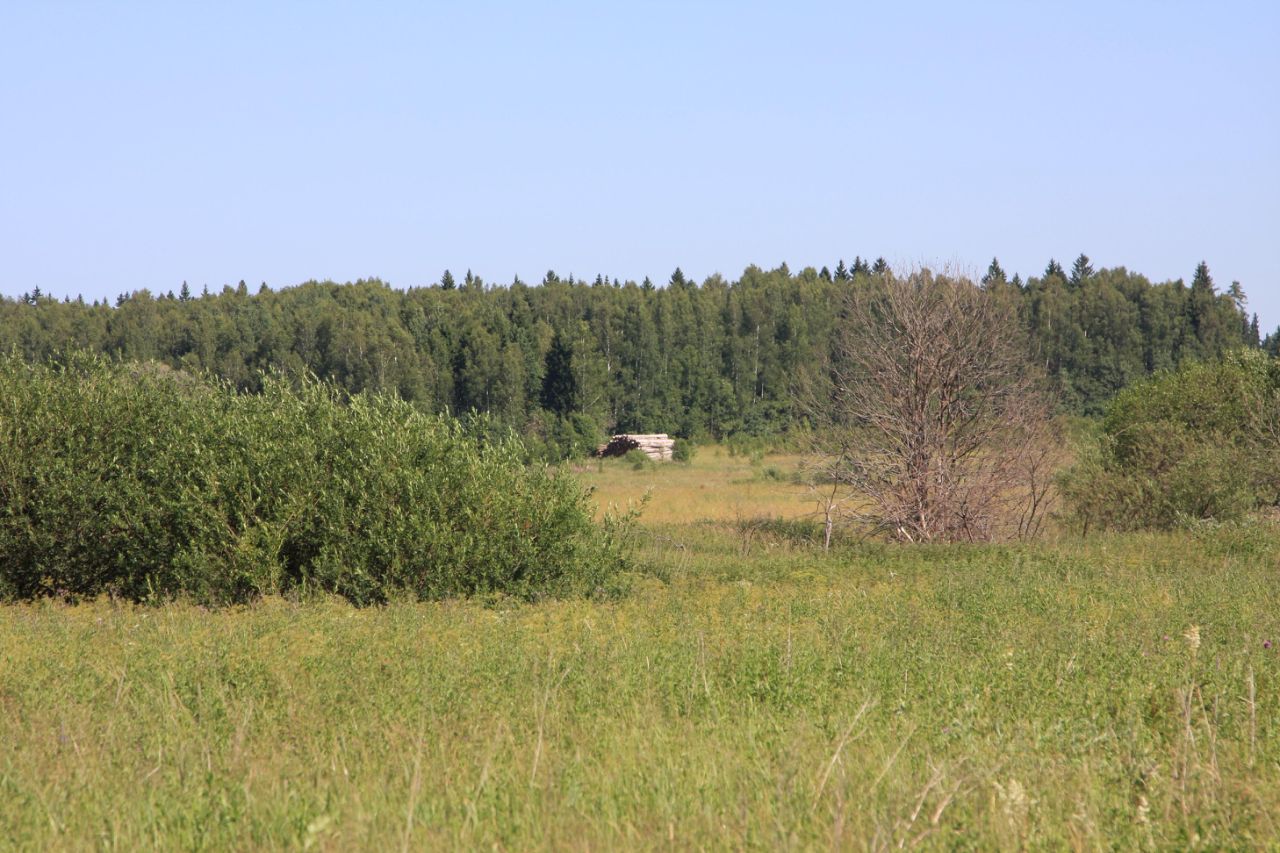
(745, 690)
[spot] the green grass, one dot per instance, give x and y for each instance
(749, 692)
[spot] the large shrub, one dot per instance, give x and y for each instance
(143, 482)
(1199, 443)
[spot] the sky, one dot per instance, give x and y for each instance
(147, 144)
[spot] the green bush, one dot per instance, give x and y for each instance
(1198, 443)
(146, 483)
(638, 460)
(684, 450)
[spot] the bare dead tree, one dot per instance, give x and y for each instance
(822, 475)
(934, 416)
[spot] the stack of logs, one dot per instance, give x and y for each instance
(657, 446)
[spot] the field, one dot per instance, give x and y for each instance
(744, 691)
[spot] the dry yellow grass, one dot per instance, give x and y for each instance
(714, 486)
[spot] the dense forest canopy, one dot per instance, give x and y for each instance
(568, 358)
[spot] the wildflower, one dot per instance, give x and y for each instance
(1266, 644)
(1192, 635)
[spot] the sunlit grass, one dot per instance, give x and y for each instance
(748, 691)
(715, 486)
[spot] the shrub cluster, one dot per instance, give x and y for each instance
(1199, 443)
(145, 483)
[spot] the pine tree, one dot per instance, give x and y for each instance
(184, 295)
(824, 274)
(1055, 269)
(646, 285)
(995, 275)
(677, 278)
(447, 282)
(1255, 337)
(842, 274)
(1016, 281)
(880, 267)
(860, 266)
(1081, 270)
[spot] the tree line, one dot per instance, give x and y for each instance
(568, 359)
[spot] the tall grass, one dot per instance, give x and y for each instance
(965, 697)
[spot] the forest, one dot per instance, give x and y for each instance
(569, 359)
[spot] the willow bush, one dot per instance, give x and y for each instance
(146, 483)
(1198, 443)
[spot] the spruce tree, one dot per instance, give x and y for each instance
(559, 387)
(860, 266)
(447, 282)
(1201, 310)
(184, 295)
(1081, 270)
(880, 267)
(842, 274)
(995, 274)
(1055, 269)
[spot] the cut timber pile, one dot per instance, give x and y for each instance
(657, 446)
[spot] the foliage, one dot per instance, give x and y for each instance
(704, 360)
(143, 483)
(1202, 442)
(638, 460)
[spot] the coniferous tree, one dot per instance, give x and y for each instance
(447, 282)
(184, 295)
(880, 267)
(824, 274)
(1081, 271)
(709, 359)
(1201, 307)
(995, 274)
(559, 385)
(860, 267)
(842, 274)
(1054, 269)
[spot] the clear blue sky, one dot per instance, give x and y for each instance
(144, 144)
